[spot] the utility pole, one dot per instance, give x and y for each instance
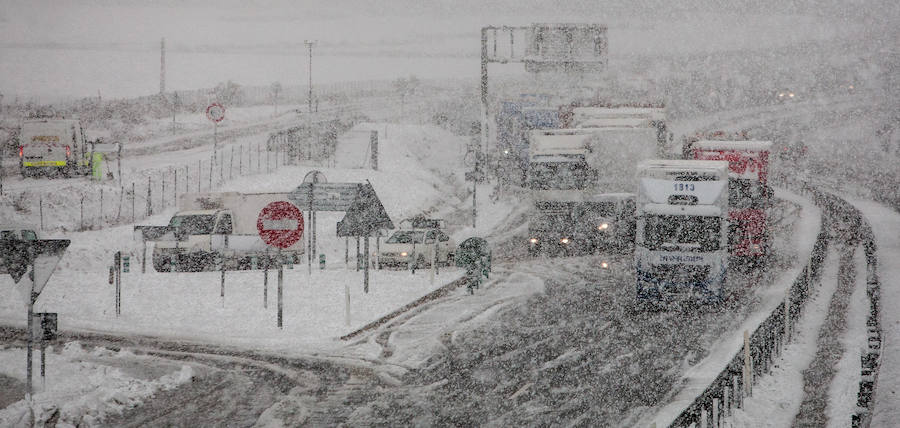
(309, 45)
(162, 66)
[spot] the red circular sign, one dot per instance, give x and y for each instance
(215, 112)
(280, 224)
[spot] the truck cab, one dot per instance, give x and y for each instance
(575, 223)
(682, 224)
(748, 193)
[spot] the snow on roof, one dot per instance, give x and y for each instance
(754, 146)
(600, 122)
(680, 164)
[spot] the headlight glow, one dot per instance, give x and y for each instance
(603, 226)
(604, 265)
(403, 254)
(564, 240)
(533, 240)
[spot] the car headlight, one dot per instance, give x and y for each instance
(603, 226)
(403, 254)
(564, 241)
(533, 241)
(604, 265)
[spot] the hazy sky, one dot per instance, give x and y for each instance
(64, 48)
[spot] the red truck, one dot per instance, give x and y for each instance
(748, 192)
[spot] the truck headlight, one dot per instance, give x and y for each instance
(403, 254)
(533, 241)
(603, 226)
(564, 241)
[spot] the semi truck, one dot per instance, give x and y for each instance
(681, 248)
(567, 223)
(214, 228)
(748, 194)
(576, 175)
(514, 121)
(54, 147)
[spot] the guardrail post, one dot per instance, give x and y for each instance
(715, 412)
(748, 365)
(726, 404)
(787, 319)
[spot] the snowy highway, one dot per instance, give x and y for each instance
(544, 341)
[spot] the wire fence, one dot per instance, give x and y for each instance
(106, 203)
(766, 343)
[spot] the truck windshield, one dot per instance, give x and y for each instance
(559, 175)
(680, 229)
(407, 237)
(194, 224)
(595, 210)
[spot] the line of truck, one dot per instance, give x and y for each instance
(605, 177)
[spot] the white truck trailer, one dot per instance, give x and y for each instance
(54, 146)
(681, 246)
(574, 175)
(213, 228)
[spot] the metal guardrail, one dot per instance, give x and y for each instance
(727, 390)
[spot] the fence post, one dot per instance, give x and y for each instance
(175, 191)
(132, 201)
(241, 161)
(748, 374)
(101, 206)
(211, 162)
(149, 200)
(162, 191)
(736, 397)
(81, 215)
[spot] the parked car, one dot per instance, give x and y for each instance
(416, 248)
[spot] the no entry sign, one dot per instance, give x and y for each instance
(215, 112)
(280, 224)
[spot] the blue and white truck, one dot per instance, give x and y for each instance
(681, 243)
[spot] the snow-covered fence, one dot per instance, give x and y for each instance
(91, 205)
(767, 341)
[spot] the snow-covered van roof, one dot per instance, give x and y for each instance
(750, 146)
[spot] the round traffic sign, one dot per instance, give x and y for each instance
(215, 112)
(280, 224)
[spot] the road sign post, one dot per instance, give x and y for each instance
(215, 112)
(31, 263)
(280, 224)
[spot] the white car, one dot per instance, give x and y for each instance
(416, 247)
